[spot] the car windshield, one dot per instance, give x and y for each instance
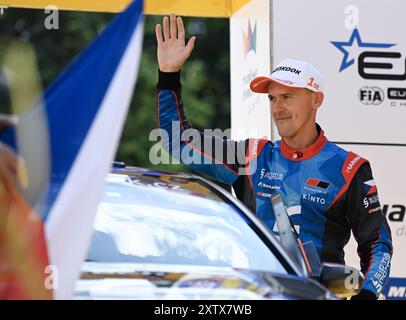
(168, 219)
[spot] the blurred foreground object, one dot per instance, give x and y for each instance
(67, 134)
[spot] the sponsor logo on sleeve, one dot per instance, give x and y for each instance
(370, 187)
(382, 273)
(352, 164)
(369, 201)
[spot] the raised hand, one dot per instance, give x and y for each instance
(172, 52)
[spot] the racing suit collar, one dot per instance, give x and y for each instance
(305, 153)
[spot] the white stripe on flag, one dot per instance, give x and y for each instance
(70, 223)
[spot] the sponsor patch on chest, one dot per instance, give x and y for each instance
(316, 185)
(316, 198)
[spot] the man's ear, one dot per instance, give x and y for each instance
(318, 98)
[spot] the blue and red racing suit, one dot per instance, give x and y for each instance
(327, 191)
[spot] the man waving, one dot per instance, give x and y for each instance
(327, 190)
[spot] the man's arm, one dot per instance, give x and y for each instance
(218, 157)
(371, 231)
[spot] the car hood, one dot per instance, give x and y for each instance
(155, 282)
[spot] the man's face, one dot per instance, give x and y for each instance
(292, 109)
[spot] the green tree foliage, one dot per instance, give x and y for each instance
(205, 77)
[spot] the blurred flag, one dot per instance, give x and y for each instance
(45, 228)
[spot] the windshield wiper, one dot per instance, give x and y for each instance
(289, 238)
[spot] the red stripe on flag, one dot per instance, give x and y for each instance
(23, 250)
